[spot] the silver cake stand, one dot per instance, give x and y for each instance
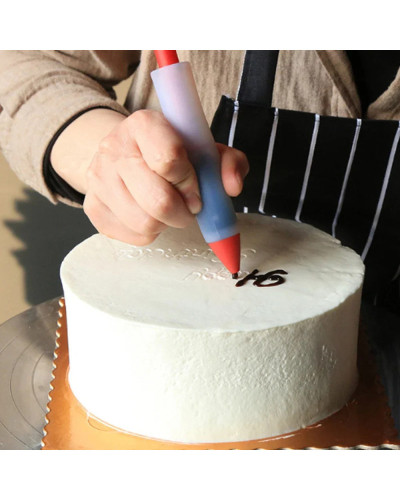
(27, 344)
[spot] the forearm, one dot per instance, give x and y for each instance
(76, 146)
(41, 92)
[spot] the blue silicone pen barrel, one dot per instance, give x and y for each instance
(217, 219)
(180, 104)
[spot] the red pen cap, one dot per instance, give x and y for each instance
(166, 57)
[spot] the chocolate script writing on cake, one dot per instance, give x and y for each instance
(274, 277)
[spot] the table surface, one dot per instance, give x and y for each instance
(27, 343)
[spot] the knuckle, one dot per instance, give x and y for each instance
(170, 162)
(95, 176)
(176, 150)
(162, 205)
(109, 144)
(91, 173)
(142, 118)
(165, 166)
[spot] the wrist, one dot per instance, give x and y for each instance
(75, 147)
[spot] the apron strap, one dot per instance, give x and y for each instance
(258, 76)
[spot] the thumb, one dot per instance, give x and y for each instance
(234, 168)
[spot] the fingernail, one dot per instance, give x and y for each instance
(193, 203)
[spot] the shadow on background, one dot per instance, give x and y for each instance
(48, 233)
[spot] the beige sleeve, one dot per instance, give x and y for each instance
(41, 90)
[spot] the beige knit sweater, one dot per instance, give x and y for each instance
(41, 90)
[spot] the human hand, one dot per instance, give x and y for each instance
(141, 181)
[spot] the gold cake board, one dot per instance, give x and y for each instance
(364, 422)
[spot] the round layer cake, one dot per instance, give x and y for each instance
(164, 344)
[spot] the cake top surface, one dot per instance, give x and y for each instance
(178, 282)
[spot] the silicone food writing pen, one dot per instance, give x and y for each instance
(180, 104)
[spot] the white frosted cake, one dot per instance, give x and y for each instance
(162, 342)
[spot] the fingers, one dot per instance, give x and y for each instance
(164, 153)
(136, 194)
(234, 168)
(141, 180)
(155, 196)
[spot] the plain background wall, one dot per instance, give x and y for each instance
(35, 236)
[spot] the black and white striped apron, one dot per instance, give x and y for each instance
(341, 175)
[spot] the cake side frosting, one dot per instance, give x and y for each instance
(163, 344)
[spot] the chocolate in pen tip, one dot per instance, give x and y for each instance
(235, 276)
